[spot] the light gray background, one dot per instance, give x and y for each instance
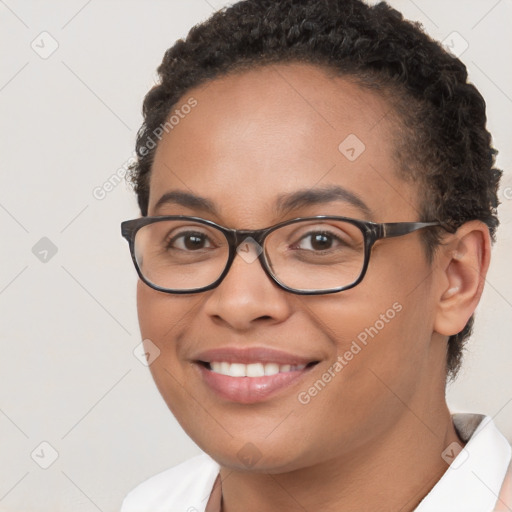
(68, 325)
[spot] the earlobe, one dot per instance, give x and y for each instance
(464, 261)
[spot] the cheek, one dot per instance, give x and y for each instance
(381, 333)
(162, 316)
(161, 319)
(155, 314)
(380, 350)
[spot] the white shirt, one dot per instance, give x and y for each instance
(471, 483)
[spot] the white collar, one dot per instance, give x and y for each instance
(473, 480)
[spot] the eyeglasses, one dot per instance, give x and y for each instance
(306, 256)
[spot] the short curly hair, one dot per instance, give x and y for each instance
(442, 142)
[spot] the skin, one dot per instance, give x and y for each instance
(372, 439)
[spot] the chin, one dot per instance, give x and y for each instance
(251, 459)
(257, 455)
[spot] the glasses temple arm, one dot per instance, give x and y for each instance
(392, 229)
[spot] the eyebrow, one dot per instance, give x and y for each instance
(328, 194)
(284, 203)
(188, 200)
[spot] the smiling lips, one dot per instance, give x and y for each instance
(250, 375)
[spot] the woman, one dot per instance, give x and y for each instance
(318, 201)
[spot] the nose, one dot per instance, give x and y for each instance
(247, 296)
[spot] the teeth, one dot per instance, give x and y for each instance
(253, 369)
(237, 370)
(271, 369)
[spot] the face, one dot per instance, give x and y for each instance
(253, 140)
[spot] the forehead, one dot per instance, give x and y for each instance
(255, 135)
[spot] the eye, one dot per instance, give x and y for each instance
(189, 241)
(318, 241)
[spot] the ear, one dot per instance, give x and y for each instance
(464, 260)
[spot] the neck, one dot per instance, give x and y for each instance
(392, 473)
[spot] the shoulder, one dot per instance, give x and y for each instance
(185, 487)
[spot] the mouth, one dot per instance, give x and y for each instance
(251, 375)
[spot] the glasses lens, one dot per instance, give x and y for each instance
(180, 254)
(316, 254)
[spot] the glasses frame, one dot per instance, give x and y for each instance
(371, 231)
